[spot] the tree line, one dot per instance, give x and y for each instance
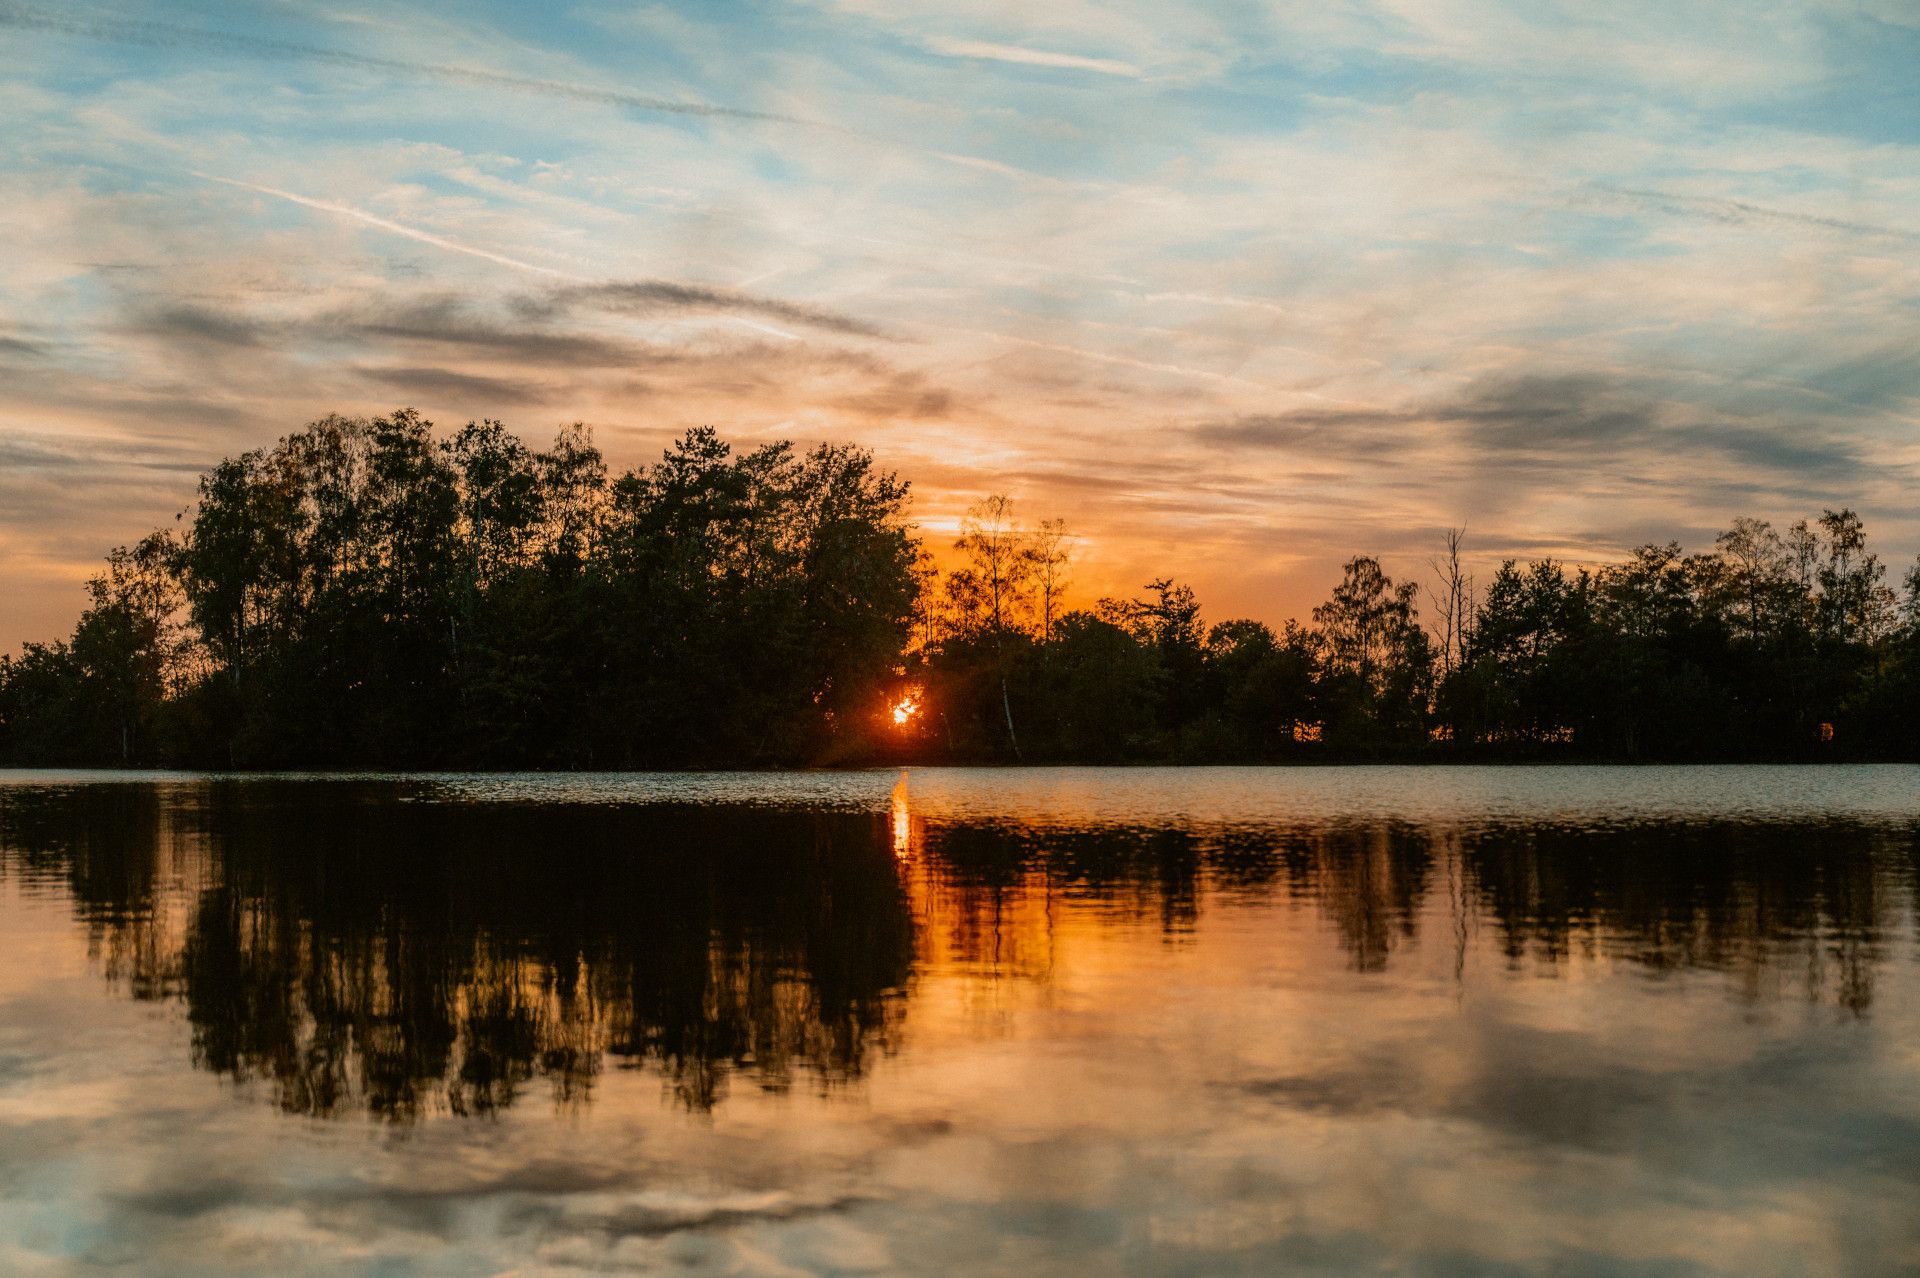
(1773, 645)
(369, 593)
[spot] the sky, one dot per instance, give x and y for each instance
(1237, 289)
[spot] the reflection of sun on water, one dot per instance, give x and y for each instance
(902, 820)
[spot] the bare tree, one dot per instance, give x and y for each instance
(1048, 553)
(1452, 598)
(999, 572)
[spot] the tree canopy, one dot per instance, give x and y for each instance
(370, 592)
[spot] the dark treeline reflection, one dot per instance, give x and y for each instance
(366, 954)
(1807, 904)
(1812, 902)
(391, 957)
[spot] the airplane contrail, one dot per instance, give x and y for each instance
(581, 287)
(166, 35)
(396, 228)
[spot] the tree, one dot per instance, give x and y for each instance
(1260, 687)
(502, 501)
(1452, 597)
(1167, 623)
(1098, 693)
(1761, 593)
(571, 478)
(992, 591)
(1378, 660)
(1855, 605)
(367, 591)
(1047, 554)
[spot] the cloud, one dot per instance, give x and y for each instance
(654, 297)
(1888, 378)
(525, 331)
(446, 321)
(1542, 421)
(1123, 361)
(1339, 432)
(384, 224)
(1550, 421)
(442, 384)
(165, 35)
(622, 296)
(983, 50)
(1729, 212)
(458, 353)
(205, 325)
(901, 396)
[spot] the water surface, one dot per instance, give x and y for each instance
(1317, 1021)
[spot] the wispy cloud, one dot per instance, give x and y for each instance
(986, 51)
(1730, 212)
(1123, 361)
(655, 296)
(1528, 428)
(633, 296)
(166, 35)
(390, 226)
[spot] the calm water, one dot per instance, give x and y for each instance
(1314, 1021)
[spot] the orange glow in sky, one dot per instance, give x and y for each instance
(1128, 263)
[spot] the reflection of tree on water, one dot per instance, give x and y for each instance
(1810, 904)
(1368, 879)
(993, 891)
(1371, 879)
(1807, 905)
(363, 953)
(103, 849)
(395, 957)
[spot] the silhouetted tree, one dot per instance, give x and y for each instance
(366, 592)
(1377, 662)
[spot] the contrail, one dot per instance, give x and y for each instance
(396, 228)
(764, 328)
(581, 288)
(165, 35)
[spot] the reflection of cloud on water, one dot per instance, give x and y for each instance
(1205, 1048)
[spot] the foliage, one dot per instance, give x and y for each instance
(367, 593)
(1771, 646)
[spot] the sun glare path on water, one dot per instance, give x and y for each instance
(902, 815)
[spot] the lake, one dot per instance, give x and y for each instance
(1473, 1021)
